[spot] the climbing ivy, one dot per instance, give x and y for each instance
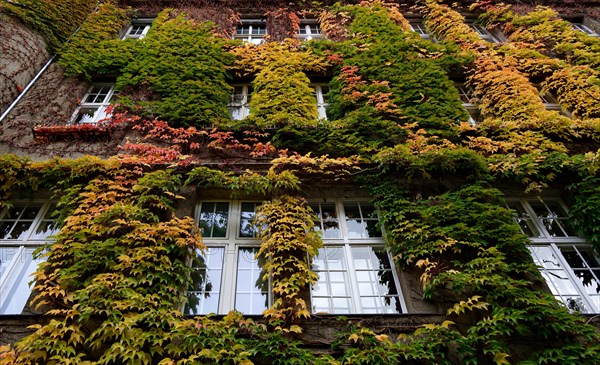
(56, 20)
(395, 122)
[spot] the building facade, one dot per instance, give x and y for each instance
(363, 182)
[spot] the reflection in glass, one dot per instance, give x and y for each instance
(524, 220)
(361, 220)
(252, 292)
(372, 278)
(16, 267)
(586, 266)
(582, 264)
(205, 287)
(550, 216)
(331, 293)
(213, 219)
(17, 221)
(376, 284)
(327, 219)
(248, 213)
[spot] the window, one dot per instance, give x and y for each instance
(239, 103)
(321, 91)
(23, 228)
(550, 102)
(138, 29)
(469, 102)
(584, 28)
(567, 263)
(421, 30)
(93, 106)
(356, 273)
(485, 34)
(309, 29)
(228, 276)
(251, 31)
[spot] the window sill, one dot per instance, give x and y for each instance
(87, 131)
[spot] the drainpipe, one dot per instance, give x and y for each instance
(29, 85)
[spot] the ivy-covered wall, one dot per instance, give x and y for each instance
(395, 127)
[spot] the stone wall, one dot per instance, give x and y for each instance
(22, 55)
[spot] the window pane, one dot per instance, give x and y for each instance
(327, 221)
(86, 115)
(213, 219)
(15, 293)
(205, 288)
(5, 228)
(376, 283)
(44, 230)
(13, 212)
(251, 295)
(524, 220)
(357, 216)
(248, 212)
(20, 230)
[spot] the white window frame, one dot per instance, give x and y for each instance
(485, 34)
(568, 289)
(251, 37)
(17, 263)
(143, 24)
(322, 104)
(584, 29)
(419, 28)
(94, 111)
(232, 246)
(469, 102)
(239, 110)
(345, 244)
(306, 26)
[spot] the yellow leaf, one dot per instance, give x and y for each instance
(500, 358)
(353, 337)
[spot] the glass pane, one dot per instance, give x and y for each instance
(5, 228)
(251, 290)
(16, 294)
(14, 212)
(524, 220)
(243, 29)
(20, 230)
(204, 290)
(247, 228)
(30, 213)
(213, 219)
(86, 115)
(327, 220)
(44, 230)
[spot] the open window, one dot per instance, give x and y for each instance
(356, 272)
(584, 29)
(485, 34)
(320, 93)
(567, 262)
(138, 28)
(469, 102)
(95, 104)
(24, 228)
(239, 101)
(419, 28)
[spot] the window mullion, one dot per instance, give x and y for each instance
(354, 291)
